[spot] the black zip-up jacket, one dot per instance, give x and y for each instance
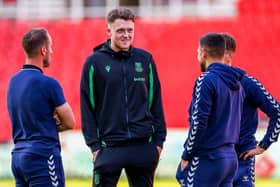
(120, 98)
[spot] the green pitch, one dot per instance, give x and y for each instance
(169, 183)
(158, 183)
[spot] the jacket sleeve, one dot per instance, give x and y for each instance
(155, 105)
(87, 102)
(264, 100)
(199, 112)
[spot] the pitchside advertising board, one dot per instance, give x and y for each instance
(77, 158)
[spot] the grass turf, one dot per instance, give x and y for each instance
(158, 183)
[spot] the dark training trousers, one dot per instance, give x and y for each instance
(138, 160)
(207, 172)
(245, 176)
(32, 170)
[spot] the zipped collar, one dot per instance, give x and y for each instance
(106, 48)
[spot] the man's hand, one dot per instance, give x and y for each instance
(159, 149)
(258, 150)
(184, 164)
(56, 118)
(58, 122)
(64, 117)
(95, 153)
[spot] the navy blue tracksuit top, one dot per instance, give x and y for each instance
(215, 111)
(257, 97)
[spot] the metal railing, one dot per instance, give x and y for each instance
(80, 9)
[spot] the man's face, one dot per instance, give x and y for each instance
(201, 59)
(121, 33)
(49, 51)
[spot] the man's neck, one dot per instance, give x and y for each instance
(213, 60)
(34, 62)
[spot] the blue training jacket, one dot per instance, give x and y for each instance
(215, 111)
(257, 97)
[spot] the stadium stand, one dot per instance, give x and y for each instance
(173, 44)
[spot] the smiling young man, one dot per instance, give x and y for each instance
(121, 107)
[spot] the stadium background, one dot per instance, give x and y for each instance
(173, 42)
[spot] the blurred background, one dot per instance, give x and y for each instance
(170, 30)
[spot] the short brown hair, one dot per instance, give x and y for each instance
(120, 13)
(214, 44)
(33, 40)
(230, 42)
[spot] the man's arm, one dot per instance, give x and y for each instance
(66, 117)
(199, 115)
(155, 106)
(87, 102)
(271, 108)
(264, 100)
(63, 114)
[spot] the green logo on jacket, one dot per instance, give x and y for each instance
(138, 67)
(108, 68)
(142, 79)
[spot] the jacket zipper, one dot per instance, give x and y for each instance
(126, 97)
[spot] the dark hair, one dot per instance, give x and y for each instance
(230, 42)
(214, 44)
(120, 13)
(33, 40)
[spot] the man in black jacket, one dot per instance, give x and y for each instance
(121, 107)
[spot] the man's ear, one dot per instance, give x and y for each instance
(108, 30)
(44, 50)
(204, 53)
